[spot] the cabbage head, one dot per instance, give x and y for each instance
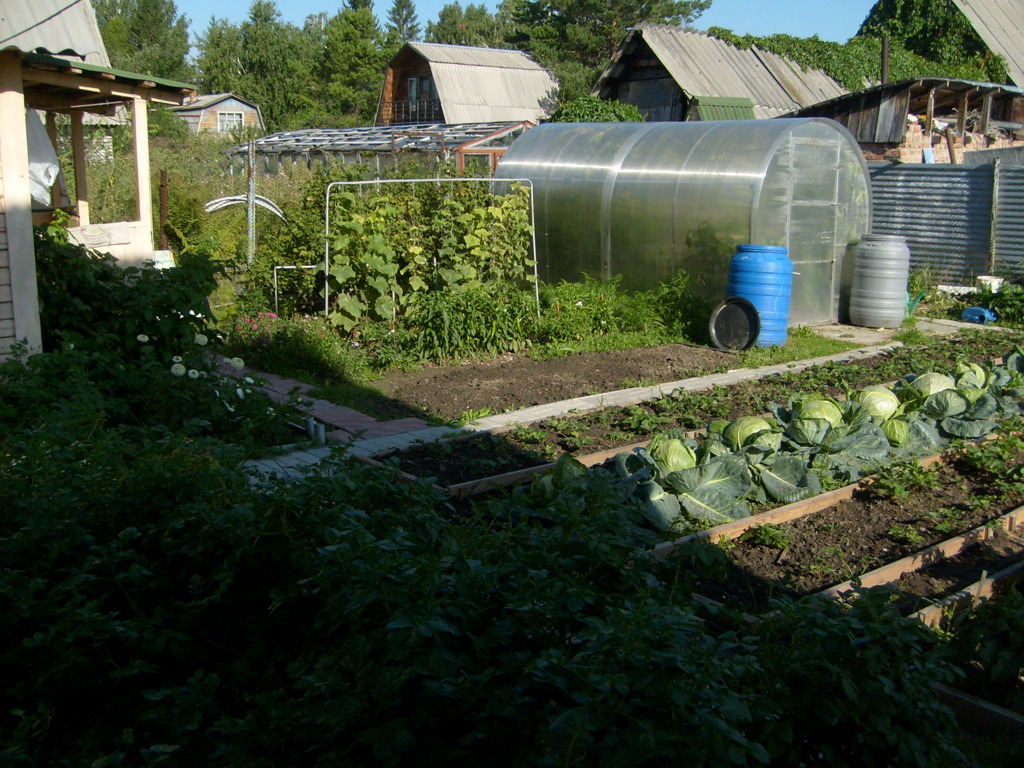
(821, 409)
(970, 376)
(897, 432)
(930, 383)
(671, 454)
(742, 429)
(878, 400)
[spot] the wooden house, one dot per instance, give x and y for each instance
(31, 80)
(674, 74)
(455, 84)
(221, 113)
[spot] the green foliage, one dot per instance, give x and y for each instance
(935, 30)
(1007, 303)
(388, 246)
(988, 643)
(575, 38)
(472, 25)
(146, 36)
(299, 346)
(590, 109)
(858, 681)
(471, 322)
(857, 63)
(87, 300)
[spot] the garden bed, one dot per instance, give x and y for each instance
(531, 446)
(944, 527)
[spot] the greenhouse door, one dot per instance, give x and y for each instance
(813, 211)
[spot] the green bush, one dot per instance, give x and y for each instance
(471, 322)
(301, 345)
(87, 300)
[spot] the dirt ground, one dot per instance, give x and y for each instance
(515, 381)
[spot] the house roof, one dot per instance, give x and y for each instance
(207, 100)
(1000, 24)
(487, 84)
(702, 65)
(64, 27)
(52, 82)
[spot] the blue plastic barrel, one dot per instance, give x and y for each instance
(763, 275)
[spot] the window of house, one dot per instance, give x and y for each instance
(228, 121)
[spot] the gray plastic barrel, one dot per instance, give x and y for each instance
(881, 268)
(763, 275)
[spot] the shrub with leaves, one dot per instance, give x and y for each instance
(299, 345)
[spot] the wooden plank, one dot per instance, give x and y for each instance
(927, 556)
(982, 589)
(981, 716)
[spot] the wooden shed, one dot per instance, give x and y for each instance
(928, 119)
(674, 74)
(220, 113)
(454, 84)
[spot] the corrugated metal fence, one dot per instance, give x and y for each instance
(960, 221)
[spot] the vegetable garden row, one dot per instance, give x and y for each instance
(914, 486)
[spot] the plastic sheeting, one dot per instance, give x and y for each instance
(43, 165)
(644, 200)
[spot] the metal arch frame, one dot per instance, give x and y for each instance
(436, 180)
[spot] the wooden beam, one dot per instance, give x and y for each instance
(16, 202)
(143, 188)
(144, 89)
(78, 154)
(961, 117)
(929, 115)
(986, 112)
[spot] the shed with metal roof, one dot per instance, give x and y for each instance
(434, 83)
(666, 72)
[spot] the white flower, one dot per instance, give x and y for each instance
(70, 346)
(229, 407)
(579, 303)
(202, 374)
(193, 373)
(201, 340)
(237, 363)
(176, 359)
(248, 380)
(178, 369)
(142, 338)
(240, 393)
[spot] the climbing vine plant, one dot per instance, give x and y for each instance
(857, 63)
(390, 242)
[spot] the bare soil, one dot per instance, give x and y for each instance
(515, 381)
(867, 531)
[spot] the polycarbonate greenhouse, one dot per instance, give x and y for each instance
(644, 200)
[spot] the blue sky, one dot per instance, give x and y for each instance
(836, 21)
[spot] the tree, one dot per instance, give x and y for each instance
(265, 60)
(146, 36)
(575, 38)
(473, 26)
(935, 30)
(402, 22)
(353, 65)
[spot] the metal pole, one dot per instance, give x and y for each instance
(250, 204)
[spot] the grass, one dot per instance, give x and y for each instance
(802, 344)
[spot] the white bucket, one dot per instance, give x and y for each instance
(991, 282)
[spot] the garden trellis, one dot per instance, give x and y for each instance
(357, 187)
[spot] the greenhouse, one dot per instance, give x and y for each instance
(643, 200)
